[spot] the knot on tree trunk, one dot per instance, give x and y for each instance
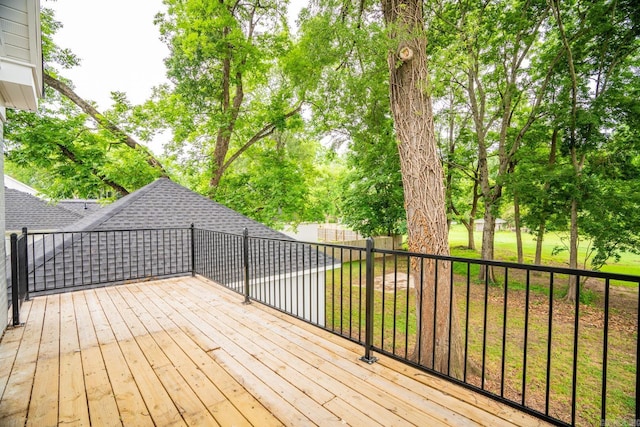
(405, 53)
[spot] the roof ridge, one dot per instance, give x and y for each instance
(102, 215)
(232, 211)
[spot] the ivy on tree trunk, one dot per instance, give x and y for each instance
(422, 177)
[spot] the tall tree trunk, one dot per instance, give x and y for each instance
(573, 251)
(512, 59)
(488, 192)
(448, 194)
(577, 165)
(424, 195)
(488, 238)
(469, 224)
(573, 230)
(539, 240)
(231, 110)
(471, 238)
(543, 221)
(451, 144)
(516, 218)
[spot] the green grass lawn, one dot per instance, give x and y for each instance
(505, 246)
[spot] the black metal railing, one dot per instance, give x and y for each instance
(19, 290)
(71, 260)
(506, 330)
(513, 332)
(517, 333)
(283, 274)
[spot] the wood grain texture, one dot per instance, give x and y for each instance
(186, 351)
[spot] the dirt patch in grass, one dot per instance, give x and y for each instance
(393, 282)
(622, 299)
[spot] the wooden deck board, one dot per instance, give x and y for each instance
(73, 408)
(160, 405)
(43, 406)
(189, 406)
(131, 406)
(99, 392)
(15, 399)
(185, 351)
(212, 398)
(9, 349)
(232, 392)
(247, 376)
(323, 375)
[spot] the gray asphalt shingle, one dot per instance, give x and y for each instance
(146, 235)
(80, 206)
(165, 204)
(25, 210)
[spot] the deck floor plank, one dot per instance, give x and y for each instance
(185, 351)
(482, 409)
(100, 395)
(15, 399)
(348, 370)
(161, 408)
(242, 366)
(192, 410)
(9, 349)
(305, 395)
(314, 369)
(211, 397)
(244, 403)
(73, 409)
(397, 399)
(131, 404)
(43, 407)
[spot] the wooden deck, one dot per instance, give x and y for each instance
(186, 351)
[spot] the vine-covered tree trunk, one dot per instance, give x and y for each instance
(424, 194)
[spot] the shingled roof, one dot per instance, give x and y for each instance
(146, 234)
(80, 206)
(165, 204)
(25, 210)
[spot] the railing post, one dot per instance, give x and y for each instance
(193, 251)
(14, 279)
(23, 262)
(245, 258)
(368, 341)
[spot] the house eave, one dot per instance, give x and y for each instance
(19, 87)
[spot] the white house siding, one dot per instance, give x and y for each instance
(20, 54)
(20, 84)
(302, 294)
(4, 305)
(20, 40)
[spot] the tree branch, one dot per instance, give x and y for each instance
(89, 109)
(71, 156)
(267, 130)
